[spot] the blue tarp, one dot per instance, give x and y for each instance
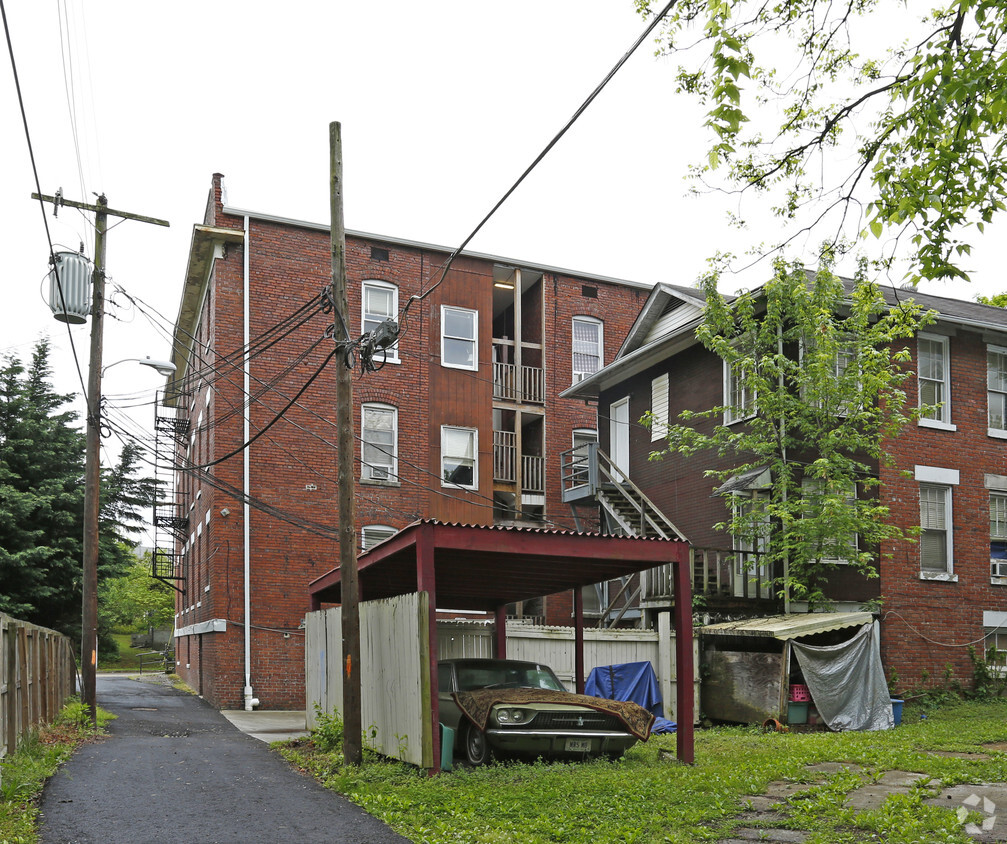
(633, 681)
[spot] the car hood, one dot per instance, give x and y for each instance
(476, 706)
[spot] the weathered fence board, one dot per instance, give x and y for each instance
(37, 673)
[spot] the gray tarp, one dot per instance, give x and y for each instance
(847, 682)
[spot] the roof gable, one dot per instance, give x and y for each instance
(666, 310)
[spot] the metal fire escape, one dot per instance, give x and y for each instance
(589, 475)
(171, 520)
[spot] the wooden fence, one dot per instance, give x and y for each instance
(37, 674)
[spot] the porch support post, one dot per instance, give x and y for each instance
(578, 638)
(684, 668)
(500, 632)
(426, 582)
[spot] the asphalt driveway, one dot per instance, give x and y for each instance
(174, 769)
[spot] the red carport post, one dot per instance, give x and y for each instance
(684, 669)
(500, 632)
(426, 582)
(578, 638)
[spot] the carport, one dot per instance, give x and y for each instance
(469, 567)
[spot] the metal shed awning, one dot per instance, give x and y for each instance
(784, 627)
(479, 567)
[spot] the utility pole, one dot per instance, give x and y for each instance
(92, 457)
(352, 750)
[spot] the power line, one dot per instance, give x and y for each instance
(548, 147)
(38, 189)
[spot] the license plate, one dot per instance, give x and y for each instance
(578, 745)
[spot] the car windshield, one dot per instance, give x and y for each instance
(482, 675)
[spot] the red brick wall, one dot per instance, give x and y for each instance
(928, 625)
(293, 464)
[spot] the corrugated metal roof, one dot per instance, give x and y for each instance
(785, 627)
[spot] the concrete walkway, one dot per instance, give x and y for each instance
(174, 768)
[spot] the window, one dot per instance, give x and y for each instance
(996, 387)
(934, 381)
(842, 547)
(371, 535)
(379, 442)
(380, 301)
(739, 400)
(659, 407)
(935, 523)
(459, 464)
(998, 535)
(587, 346)
(458, 338)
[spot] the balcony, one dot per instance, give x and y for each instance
(522, 384)
(505, 464)
(718, 575)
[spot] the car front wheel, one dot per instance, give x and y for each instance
(477, 749)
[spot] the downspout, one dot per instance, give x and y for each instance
(250, 701)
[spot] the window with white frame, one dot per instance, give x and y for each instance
(459, 457)
(371, 535)
(379, 301)
(379, 442)
(459, 337)
(838, 547)
(934, 378)
(739, 399)
(996, 390)
(998, 534)
(659, 407)
(936, 535)
(588, 336)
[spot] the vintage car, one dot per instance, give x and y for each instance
(507, 707)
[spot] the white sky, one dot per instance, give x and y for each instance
(442, 104)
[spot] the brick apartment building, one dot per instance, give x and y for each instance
(462, 423)
(940, 595)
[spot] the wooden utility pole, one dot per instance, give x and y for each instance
(352, 722)
(92, 456)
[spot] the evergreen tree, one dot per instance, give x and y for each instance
(42, 500)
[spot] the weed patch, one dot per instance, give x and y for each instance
(24, 772)
(648, 797)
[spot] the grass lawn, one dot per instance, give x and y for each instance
(128, 658)
(650, 797)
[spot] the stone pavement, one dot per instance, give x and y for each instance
(981, 807)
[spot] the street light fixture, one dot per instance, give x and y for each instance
(162, 367)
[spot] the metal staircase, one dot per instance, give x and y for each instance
(171, 521)
(589, 475)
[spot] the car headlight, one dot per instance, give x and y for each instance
(514, 716)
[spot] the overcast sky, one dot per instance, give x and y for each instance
(442, 104)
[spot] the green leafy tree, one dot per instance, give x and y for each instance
(135, 600)
(997, 300)
(817, 372)
(906, 140)
(42, 498)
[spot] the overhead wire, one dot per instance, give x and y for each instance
(38, 188)
(548, 148)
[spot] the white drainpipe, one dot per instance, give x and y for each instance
(250, 701)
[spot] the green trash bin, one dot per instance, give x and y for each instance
(447, 747)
